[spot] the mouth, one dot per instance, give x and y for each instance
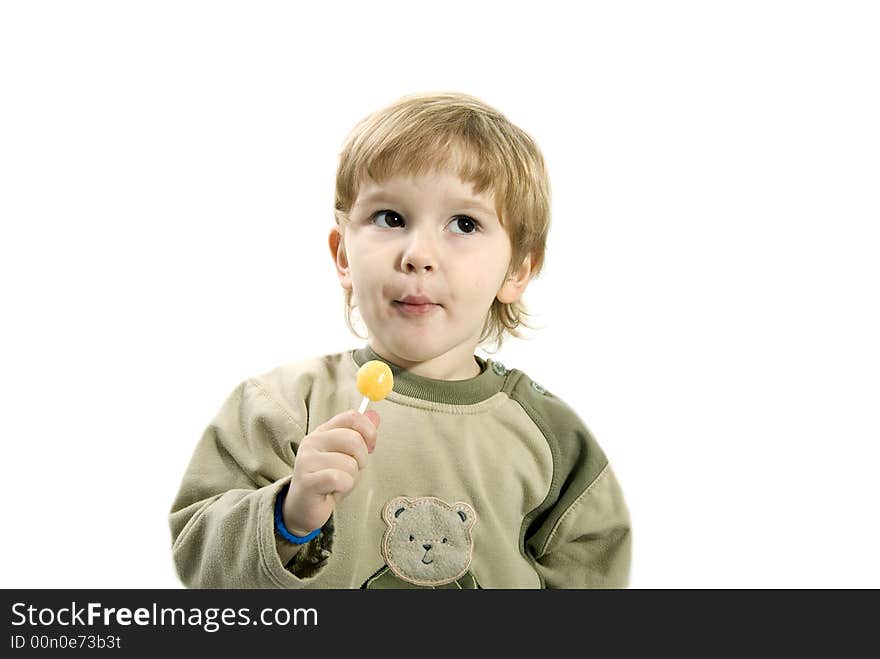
(415, 306)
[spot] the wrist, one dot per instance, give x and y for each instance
(293, 535)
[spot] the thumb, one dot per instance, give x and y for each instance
(373, 415)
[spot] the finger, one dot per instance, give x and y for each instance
(321, 460)
(342, 440)
(344, 419)
(361, 423)
(329, 481)
(373, 416)
(368, 427)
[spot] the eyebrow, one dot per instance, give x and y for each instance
(463, 202)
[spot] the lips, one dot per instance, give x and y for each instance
(416, 305)
(416, 299)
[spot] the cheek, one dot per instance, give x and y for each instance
(491, 258)
(363, 269)
(480, 278)
(376, 256)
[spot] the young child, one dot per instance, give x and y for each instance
(477, 476)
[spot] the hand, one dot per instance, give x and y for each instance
(327, 467)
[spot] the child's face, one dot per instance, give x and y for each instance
(427, 237)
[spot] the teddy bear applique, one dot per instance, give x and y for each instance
(427, 544)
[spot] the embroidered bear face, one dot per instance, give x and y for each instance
(428, 542)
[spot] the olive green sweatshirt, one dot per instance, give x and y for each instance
(491, 482)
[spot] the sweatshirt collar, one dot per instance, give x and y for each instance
(456, 392)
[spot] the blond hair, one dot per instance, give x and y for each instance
(422, 132)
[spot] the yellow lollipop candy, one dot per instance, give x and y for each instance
(374, 381)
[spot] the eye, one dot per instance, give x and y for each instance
(393, 223)
(465, 224)
(444, 541)
(411, 538)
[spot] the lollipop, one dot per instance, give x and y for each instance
(374, 381)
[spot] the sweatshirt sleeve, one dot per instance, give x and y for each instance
(580, 536)
(222, 520)
(590, 543)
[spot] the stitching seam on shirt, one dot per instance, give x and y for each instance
(544, 429)
(482, 407)
(281, 408)
(573, 505)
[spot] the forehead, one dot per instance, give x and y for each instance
(439, 186)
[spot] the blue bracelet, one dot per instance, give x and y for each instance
(282, 530)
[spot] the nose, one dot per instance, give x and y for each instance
(420, 255)
(427, 547)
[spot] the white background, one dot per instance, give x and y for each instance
(709, 303)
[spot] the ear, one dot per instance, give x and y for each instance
(394, 508)
(340, 258)
(466, 513)
(515, 283)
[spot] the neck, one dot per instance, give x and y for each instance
(456, 364)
